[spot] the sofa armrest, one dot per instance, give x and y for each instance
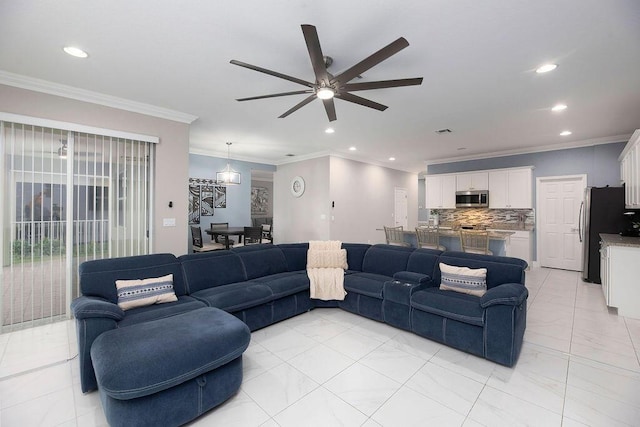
(411, 277)
(506, 294)
(91, 307)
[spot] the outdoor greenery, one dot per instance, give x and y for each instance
(24, 250)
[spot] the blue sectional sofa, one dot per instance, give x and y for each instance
(264, 284)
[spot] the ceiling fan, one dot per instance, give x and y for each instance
(327, 86)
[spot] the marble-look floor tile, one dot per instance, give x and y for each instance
(22, 388)
(497, 408)
(320, 408)
(605, 380)
(362, 387)
(415, 345)
(407, 408)
(538, 377)
(49, 410)
(614, 351)
(321, 363)
(448, 388)
(393, 362)
(352, 344)
(239, 411)
(376, 330)
(257, 360)
(278, 388)
(594, 409)
(319, 328)
(466, 364)
(287, 344)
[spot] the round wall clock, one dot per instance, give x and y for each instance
(297, 186)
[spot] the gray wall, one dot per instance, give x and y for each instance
(599, 162)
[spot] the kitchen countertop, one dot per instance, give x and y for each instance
(448, 232)
(498, 226)
(618, 240)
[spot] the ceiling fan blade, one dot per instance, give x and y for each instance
(275, 95)
(298, 106)
(315, 53)
(371, 61)
(361, 101)
(272, 73)
(383, 84)
(330, 108)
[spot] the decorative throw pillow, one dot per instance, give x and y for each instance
(142, 292)
(463, 279)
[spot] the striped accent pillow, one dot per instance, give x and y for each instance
(463, 279)
(142, 292)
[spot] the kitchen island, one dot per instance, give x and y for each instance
(449, 238)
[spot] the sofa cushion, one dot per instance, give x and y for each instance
(166, 352)
(98, 277)
(261, 260)
(386, 259)
(154, 312)
(368, 284)
(210, 269)
(295, 254)
(285, 284)
(142, 292)
(472, 281)
(236, 296)
(355, 254)
(424, 261)
(452, 305)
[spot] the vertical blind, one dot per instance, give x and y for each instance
(69, 197)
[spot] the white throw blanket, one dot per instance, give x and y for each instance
(326, 263)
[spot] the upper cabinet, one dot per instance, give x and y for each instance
(472, 181)
(630, 171)
(510, 188)
(440, 191)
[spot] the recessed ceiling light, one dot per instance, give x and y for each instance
(559, 107)
(75, 51)
(352, 148)
(329, 130)
(565, 133)
(392, 158)
(546, 68)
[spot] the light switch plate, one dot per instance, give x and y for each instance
(168, 222)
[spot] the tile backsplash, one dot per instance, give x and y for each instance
(487, 217)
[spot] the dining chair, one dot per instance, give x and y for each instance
(252, 236)
(395, 236)
(199, 245)
(475, 241)
(219, 225)
(429, 238)
(266, 233)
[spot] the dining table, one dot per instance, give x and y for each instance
(226, 232)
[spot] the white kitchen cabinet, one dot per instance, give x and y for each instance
(440, 191)
(619, 271)
(630, 171)
(510, 189)
(472, 181)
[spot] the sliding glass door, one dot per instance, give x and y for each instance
(68, 197)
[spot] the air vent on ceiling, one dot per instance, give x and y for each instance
(290, 155)
(443, 131)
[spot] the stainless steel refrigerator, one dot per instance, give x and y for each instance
(601, 212)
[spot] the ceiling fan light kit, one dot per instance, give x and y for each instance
(327, 86)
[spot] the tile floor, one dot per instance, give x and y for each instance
(579, 366)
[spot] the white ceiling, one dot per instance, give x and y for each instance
(477, 59)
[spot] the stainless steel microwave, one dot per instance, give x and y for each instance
(472, 199)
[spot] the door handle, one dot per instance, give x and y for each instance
(580, 221)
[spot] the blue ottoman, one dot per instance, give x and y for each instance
(169, 371)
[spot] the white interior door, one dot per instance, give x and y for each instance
(401, 208)
(558, 203)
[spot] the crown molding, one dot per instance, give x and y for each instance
(44, 86)
(530, 150)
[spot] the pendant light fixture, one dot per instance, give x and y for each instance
(228, 176)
